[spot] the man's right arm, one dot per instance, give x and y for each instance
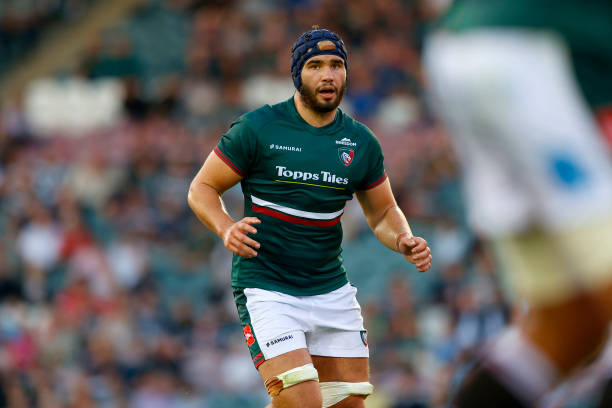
(204, 198)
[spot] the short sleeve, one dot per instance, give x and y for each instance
(375, 173)
(237, 147)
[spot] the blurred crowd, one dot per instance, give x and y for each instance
(112, 294)
(23, 23)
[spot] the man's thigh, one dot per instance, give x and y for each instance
(354, 369)
(303, 394)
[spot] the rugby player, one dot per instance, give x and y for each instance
(298, 163)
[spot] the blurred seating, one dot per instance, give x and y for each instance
(24, 23)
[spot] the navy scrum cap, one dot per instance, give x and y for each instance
(317, 41)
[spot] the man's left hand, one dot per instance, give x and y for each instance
(416, 250)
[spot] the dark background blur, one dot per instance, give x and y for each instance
(112, 294)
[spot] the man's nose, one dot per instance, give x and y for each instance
(327, 73)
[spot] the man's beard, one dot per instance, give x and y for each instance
(309, 96)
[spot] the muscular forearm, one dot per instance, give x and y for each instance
(208, 206)
(390, 225)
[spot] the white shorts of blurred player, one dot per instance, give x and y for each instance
(537, 171)
(327, 325)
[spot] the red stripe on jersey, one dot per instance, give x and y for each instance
(296, 220)
(377, 182)
(257, 356)
(227, 161)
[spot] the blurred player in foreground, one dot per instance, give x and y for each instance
(298, 162)
(519, 84)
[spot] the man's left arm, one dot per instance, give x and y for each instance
(390, 226)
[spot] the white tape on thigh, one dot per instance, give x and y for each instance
(335, 391)
(279, 382)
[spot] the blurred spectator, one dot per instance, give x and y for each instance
(22, 24)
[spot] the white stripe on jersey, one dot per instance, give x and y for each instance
(294, 212)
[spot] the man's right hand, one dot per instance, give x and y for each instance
(235, 238)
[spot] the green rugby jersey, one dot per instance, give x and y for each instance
(586, 26)
(296, 180)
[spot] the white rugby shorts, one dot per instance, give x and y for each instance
(275, 323)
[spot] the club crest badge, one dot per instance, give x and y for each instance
(346, 155)
(364, 337)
